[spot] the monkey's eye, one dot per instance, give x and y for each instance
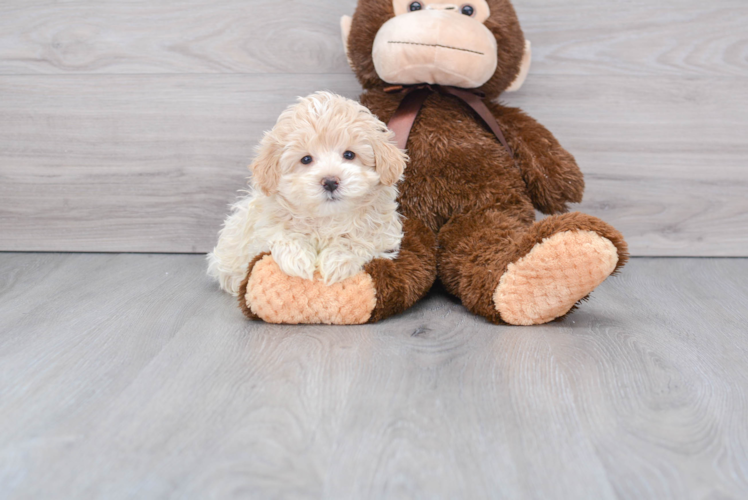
(307, 160)
(414, 6)
(468, 10)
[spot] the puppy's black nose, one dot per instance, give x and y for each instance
(330, 183)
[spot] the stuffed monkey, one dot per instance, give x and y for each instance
(472, 185)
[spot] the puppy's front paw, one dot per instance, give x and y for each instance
(336, 265)
(295, 259)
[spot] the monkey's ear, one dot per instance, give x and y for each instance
(345, 31)
(524, 69)
(266, 169)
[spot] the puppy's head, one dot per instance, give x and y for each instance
(326, 154)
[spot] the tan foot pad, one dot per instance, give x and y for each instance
(278, 298)
(558, 272)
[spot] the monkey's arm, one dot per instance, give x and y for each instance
(552, 176)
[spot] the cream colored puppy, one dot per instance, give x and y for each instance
(322, 196)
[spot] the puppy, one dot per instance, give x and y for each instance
(322, 196)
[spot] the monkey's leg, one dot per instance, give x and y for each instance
(384, 288)
(513, 271)
(402, 282)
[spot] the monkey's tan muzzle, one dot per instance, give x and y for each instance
(435, 47)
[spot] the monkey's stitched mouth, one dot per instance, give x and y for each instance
(438, 45)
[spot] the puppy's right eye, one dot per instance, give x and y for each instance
(307, 160)
(415, 6)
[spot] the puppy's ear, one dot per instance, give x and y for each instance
(266, 169)
(390, 160)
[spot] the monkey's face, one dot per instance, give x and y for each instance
(433, 41)
(472, 44)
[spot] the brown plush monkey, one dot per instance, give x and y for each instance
(468, 201)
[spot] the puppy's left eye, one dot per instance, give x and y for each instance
(349, 155)
(307, 160)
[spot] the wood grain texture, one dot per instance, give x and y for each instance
(684, 38)
(591, 37)
(126, 126)
(143, 381)
(170, 36)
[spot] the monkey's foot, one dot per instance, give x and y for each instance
(559, 271)
(275, 297)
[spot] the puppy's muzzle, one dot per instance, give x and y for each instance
(330, 184)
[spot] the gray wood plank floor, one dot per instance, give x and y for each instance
(131, 376)
(127, 126)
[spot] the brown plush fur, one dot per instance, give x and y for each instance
(469, 206)
(243, 288)
(480, 202)
(463, 185)
(400, 283)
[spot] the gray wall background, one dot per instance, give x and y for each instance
(127, 125)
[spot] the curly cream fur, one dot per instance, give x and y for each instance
(287, 211)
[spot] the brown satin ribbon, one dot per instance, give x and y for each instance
(402, 121)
